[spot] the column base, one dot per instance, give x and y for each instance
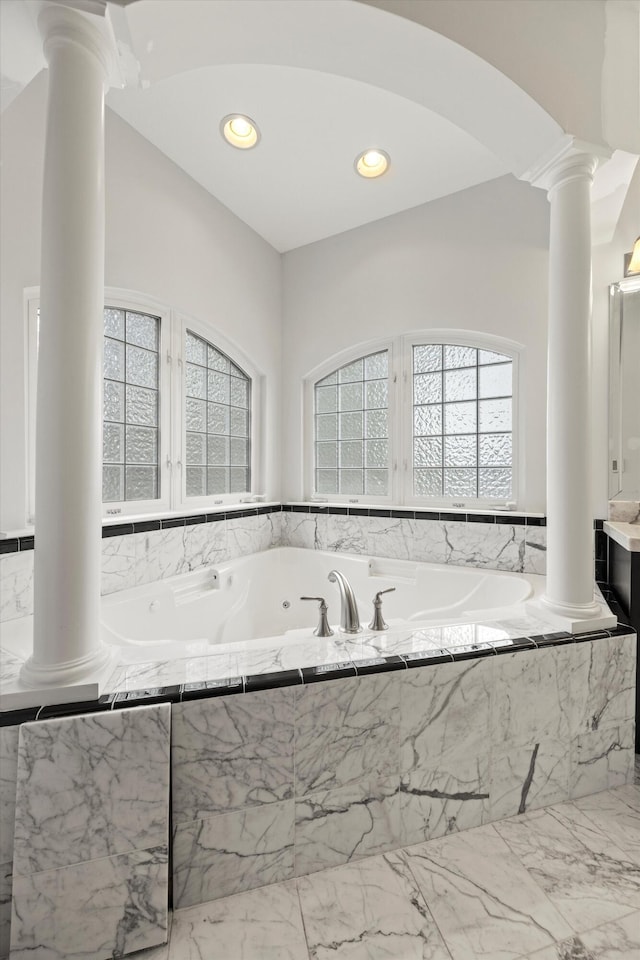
(44, 675)
(581, 617)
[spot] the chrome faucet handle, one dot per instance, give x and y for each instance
(323, 629)
(378, 623)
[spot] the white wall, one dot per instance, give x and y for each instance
(165, 236)
(476, 260)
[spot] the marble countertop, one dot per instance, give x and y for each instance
(626, 534)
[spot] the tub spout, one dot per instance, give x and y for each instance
(349, 619)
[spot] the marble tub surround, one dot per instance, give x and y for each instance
(481, 896)
(359, 765)
(90, 860)
(8, 774)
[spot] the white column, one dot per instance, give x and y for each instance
(67, 644)
(570, 573)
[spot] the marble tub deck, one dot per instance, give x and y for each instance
(558, 883)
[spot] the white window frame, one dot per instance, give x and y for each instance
(401, 418)
(171, 425)
(205, 330)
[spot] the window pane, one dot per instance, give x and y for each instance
(427, 452)
(426, 358)
(495, 381)
(142, 330)
(460, 451)
(495, 415)
(427, 421)
(196, 481)
(351, 405)
(460, 417)
(130, 408)
(495, 450)
(494, 483)
(455, 356)
(221, 417)
(427, 483)
(459, 483)
(487, 356)
(460, 384)
(427, 388)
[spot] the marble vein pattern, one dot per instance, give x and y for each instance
(263, 924)
(299, 530)
(159, 673)
(346, 731)
(91, 786)
(232, 752)
(617, 940)
(587, 878)
(160, 554)
(603, 682)
(8, 776)
(5, 908)
(16, 585)
(444, 800)
(602, 759)
(497, 546)
(337, 826)
(616, 813)
(10, 666)
(532, 696)
(571, 949)
(250, 535)
(96, 910)
(232, 852)
(482, 898)
(205, 544)
(366, 910)
(118, 563)
(527, 777)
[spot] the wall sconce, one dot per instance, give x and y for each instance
(632, 260)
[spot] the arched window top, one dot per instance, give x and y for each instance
(428, 418)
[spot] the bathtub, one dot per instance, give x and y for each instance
(257, 599)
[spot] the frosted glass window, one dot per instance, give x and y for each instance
(351, 428)
(462, 441)
(217, 417)
(130, 428)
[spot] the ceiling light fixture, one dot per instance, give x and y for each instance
(633, 266)
(239, 131)
(372, 163)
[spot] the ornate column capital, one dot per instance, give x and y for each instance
(571, 160)
(85, 25)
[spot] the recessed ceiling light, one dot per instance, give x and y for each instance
(372, 163)
(239, 131)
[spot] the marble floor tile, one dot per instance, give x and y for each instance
(588, 878)
(264, 924)
(617, 940)
(485, 903)
(5, 908)
(370, 910)
(616, 818)
(112, 907)
(572, 949)
(233, 852)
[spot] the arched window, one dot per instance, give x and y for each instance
(434, 425)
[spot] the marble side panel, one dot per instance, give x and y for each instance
(445, 714)
(584, 875)
(389, 537)
(337, 826)
(8, 777)
(161, 554)
(16, 585)
(231, 752)
(603, 683)
(91, 786)
(602, 759)
(264, 924)
(346, 731)
(205, 544)
(91, 911)
(5, 909)
(531, 696)
(527, 777)
(233, 852)
(370, 909)
(482, 898)
(118, 563)
(535, 550)
(496, 546)
(341, 534)
(434, 802)
(249, 535)
(299, 530)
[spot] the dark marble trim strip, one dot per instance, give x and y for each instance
(379, 665)
(9, 545)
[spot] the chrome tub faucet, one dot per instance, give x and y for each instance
(349, 619)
